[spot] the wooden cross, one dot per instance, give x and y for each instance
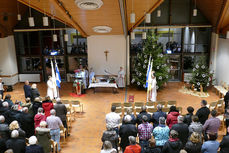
(106, 54)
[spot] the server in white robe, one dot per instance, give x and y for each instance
(91, 76)
(51, 88)
(153, 91)
(121, 78)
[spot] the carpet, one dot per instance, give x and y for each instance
(75, 95)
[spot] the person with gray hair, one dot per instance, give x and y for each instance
(15, 143)
(143, 112)
(54, 124)
(43, 137)
(1, 87)
(36, 104)
(161, 133)
(4, 128)
(40, 116)
(110, 135)
(133, 147)
(27, 122)
(5, 111)
(159, 113)
(129, 112)
(173, 145)
(182, 129)
(33, 147)
(126, 130)
(34, 92)
(107, 148)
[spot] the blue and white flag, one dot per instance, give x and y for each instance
(58, 79)
(147, 73)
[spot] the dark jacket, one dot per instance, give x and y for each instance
(191, 147)
(9, 102)
(203, 114)
(183, 132)
(6, 113)
(226, 99)
(21, 133)
(27, 91)
(153, 150)
(15, 115)
(172, 146)
(125, 131)
(112, 137)
(188, 118)
(35, 107)
(2, 145)
(34, 94)
(27, 124)
(4, 131)
(16, 144)
(34, 149)
(156, 116)
(224, 145)
(61, 111)
(139, 117)
(47, 106)
(172, 119)
(43, 138)
(133, 120)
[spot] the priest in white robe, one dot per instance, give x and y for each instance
(153, 91)
(91, 75)
(51, 88)
(121, 78)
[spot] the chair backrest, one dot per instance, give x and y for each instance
(163, 103)
(213, 105)
(117, 105)
(75, 102)
(179, 109)
(127, 105)
(138, 110)
(151, 110)
(118, 111)
(65, 101)
(138, 104)
(171, 103)
(165, 109)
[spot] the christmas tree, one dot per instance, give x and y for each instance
(160, 66)
(201, 75)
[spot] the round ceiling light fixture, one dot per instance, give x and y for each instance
(102, 29)
(89, 4)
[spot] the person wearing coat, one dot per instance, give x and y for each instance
(224, 144)
(27, 89)
(61, 112)
(15, 143)
(33, 147)
(194, 144)
(203, 112)
(34, 92)
(159, 113)
(172, 116)
(43, 137)
(188, 117)
(4, 128)
(173, 145)
(196, 126)
(126, 130)
(15, 126)
(143, 112)
(36, 105)
(39, 117)
(111, 136)
(47, 106)
(27, 122)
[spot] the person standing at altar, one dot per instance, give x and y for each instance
(91, 75)
(121, 78)
(1, 87)
(50, 89)
(153, 91)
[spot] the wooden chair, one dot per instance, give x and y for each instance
(119, 111)
(213, 105)
(150, 105)
(179, 109)
(63, 132)
(166, 109)
(138, 105)
(137, 111)
(171, 103)
(222, 120)
(125, 110)
(54, 146)
(163, 103)
(76, 104)
(151, 110)
(128, 105)
(117, 105)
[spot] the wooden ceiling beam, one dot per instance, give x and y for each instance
(223, 12)
(143, 17)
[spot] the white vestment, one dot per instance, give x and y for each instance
(50, 89)
(86, 78)
(91, 76)
(121, 79)
(153, 92)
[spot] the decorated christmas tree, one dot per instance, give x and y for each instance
(160, 66)
(201, 75)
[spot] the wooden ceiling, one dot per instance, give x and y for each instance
(8, 16)
(140, 7)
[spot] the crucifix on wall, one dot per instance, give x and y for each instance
(106, 54)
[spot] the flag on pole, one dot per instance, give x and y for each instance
(54, 80)
(58, 79)
(149, 80)
(147, 73)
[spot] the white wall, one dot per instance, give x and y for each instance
(8, 61)
(115, 44)
(222, 61)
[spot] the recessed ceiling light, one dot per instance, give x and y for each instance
(89, 4)
(102, 29)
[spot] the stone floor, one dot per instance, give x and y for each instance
(87, 130)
